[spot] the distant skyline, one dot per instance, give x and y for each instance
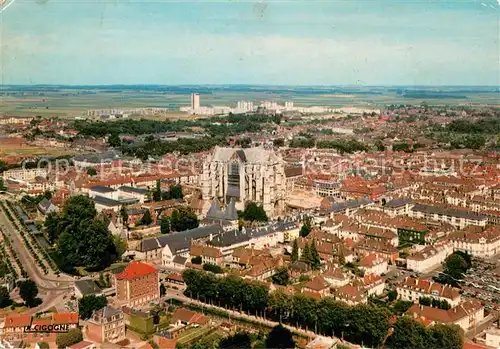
(377, 43)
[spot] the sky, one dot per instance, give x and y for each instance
(294, 42)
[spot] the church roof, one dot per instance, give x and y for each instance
(231, 213)
(214, 208)
(215, 212)
(248, 155)
(241, 155)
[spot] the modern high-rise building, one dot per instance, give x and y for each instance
(195, 101)
(244, 106)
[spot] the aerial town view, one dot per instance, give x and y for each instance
(257, 174)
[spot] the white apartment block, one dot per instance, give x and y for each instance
(326, 188)
(466, 315)
(373, 264)
(412, 289)
(430, 257)
(482, 244)
(457, 218)
(22, 174)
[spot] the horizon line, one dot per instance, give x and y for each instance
(245, 84)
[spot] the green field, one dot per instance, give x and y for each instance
(74, 102)
(194, 334)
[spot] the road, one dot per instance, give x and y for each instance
(50, 288)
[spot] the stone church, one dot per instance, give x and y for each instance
(244, 175)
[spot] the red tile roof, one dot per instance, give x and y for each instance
(166, 343)
(189, 316)
(17, 320)
(81, 345)
(470, 345)
(64, 318)
(430, 287)
(136, 269)
(41, 322)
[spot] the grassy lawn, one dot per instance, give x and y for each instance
(118, 266)
(209, 340)
(194, 333)
(34, 150)
(164, 321)
(81, 271)
(7, 311)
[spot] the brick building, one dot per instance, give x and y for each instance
(137, 284)
(14, 326)
(107, 325)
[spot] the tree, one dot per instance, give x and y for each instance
(368, 324)
(73, 336)
(306, 254)
(400, 307)
(408, 333)
(445, 279)
(279, 142)
(254, 212)
(43, 345)
(281, 276)
(91, 171)
(2, 184)
(52, 227)
(455, 266)
(466, 256)
(379, 145)
(165, 225)
(444, 305)
(305, 230)
(392, 295)
(146, 219)
(120, 244)
(175, 192)
(163, 290)
(183, 218)
(78, 208)
(88, 244)
(240, 340)
(124, 215)
(280, 337)
(157, 192)
(446, 336)
(90, 303)
(295, 251)
(114, 140)
(4, 269)
(5, 300)
(315, 258)
(425, 301)
(28, 291)
(196, 260)
(214, 268)
(306, 227)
